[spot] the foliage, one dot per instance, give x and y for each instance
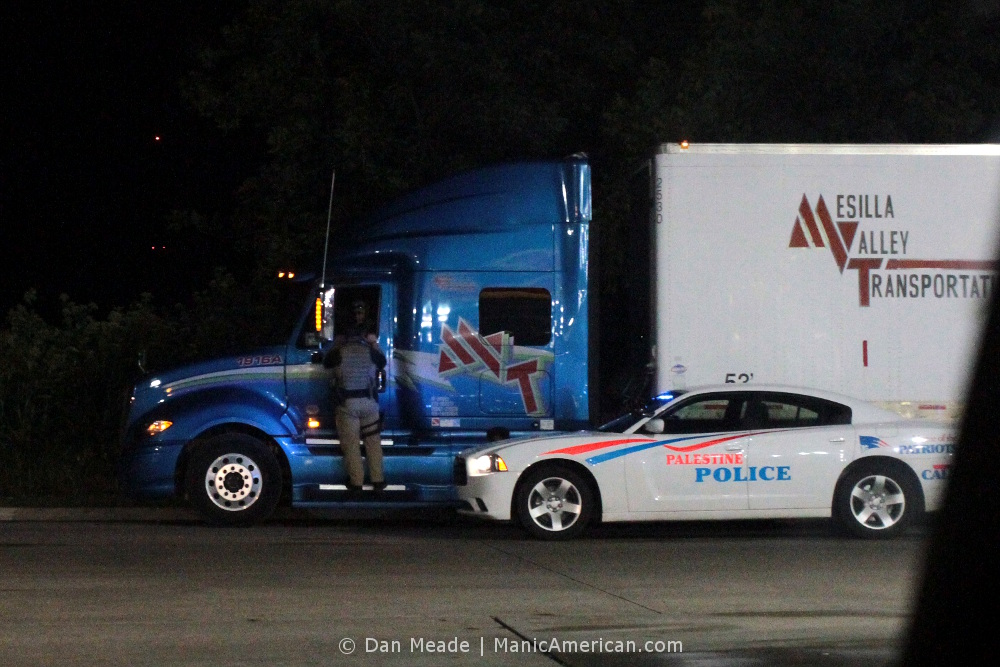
(64, 385)
(394, 95)
(63, 389)
(846, 71)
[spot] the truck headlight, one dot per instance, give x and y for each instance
(159, 426)
(486, 464)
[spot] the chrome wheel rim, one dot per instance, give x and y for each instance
(554, 504)
(877, 502)
(233, 482)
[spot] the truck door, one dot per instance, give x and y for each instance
(797, 455)
(521, 384)
(702, 464)
(483, 357)
(310, 406)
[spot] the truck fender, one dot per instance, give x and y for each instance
(197, 412)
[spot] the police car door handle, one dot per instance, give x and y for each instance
(734, 448)
(836, 439)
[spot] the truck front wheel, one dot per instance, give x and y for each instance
(233, 479)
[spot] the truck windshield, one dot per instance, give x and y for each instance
(622, 424)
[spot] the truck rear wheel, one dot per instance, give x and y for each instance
(554, 502)
(877, 500)
(233, 479)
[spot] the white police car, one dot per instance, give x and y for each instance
(723, 452)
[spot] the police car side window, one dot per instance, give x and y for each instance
(702, 414)
(794, 411)
(837, 415)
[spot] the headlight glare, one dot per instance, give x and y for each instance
(486, 464)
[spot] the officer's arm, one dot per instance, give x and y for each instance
(378, 358)
(332, 358)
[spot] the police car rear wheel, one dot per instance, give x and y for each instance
(554, 503)
(234, 479)
(877, 500)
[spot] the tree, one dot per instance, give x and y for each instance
(845, 71)
(394, 95)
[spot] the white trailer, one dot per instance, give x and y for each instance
(863, 269)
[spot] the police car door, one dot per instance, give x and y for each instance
(700, 463)
(797, 454)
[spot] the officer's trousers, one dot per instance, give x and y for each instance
(357, 420)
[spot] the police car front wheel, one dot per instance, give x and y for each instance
(554, 502)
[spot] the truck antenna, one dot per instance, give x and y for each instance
(329, 215)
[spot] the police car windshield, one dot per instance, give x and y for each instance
(622, 424)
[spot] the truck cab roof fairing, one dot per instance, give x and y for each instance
(501, 198)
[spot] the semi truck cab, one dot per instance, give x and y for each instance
(478, 287)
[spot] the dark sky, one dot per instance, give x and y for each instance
(84, 182)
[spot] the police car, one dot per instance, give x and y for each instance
(722, 452)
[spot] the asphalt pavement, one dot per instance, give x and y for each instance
(155, 586)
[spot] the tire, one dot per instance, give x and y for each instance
(877, 500)
(554, 502)
(233, 480)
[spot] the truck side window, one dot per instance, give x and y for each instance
(335, 314)
(523, 312)
(342, 315)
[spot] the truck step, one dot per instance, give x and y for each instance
(366, 487)
(339, 494)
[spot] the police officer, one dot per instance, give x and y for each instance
(356, 361)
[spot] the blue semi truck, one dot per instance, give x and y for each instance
(479, 286)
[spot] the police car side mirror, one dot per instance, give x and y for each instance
(654, 426)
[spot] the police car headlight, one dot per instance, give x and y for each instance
(486, 464)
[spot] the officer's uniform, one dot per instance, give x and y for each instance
(356, 364)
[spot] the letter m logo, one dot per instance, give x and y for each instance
(815, 229)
